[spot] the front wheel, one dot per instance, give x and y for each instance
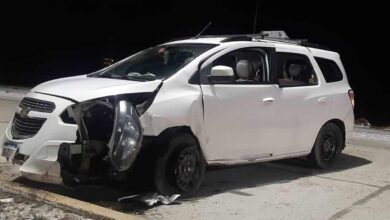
(327, 147)
(180, 168)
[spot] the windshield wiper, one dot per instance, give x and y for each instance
(122, 77)
(112, 76)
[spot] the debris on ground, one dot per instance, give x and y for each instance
(151, 198)
(362, 122)
(7, 200)
(14, 207)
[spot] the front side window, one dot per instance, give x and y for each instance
(155, 63)
(294, 70)
(249, 65)
(329, 69)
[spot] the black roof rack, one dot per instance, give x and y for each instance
(277, 36)
(237, 38)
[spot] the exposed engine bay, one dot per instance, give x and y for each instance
(109, 137)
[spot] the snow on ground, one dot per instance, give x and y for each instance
(12, 93)
(370, 137)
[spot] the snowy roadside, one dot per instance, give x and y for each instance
(12, 93)
(15, 206)
(377, 138)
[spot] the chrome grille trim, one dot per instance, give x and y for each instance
(37, 105)
(24, 127)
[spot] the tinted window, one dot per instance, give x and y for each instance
(330, 70)
(294, 70)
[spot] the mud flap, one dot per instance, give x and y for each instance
(126, 138)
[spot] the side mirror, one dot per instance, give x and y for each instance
(221, 74)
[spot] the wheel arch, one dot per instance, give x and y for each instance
(340, 124)
(169, 152)
(171, 132)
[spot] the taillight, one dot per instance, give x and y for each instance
(351, 95)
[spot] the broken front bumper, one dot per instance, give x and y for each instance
(39, 153)
(45, 140)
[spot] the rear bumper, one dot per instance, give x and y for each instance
(41, 150)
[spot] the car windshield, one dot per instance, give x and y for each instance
(155, 63)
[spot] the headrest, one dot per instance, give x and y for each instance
(295, 70)
(244, 69)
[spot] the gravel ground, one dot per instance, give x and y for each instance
(23, 208)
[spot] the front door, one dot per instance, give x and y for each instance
(238, 116)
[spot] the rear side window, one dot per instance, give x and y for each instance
(293, 70)
(329, 69)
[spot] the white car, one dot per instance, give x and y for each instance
(173, 109)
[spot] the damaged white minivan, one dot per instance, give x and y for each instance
(183, 105)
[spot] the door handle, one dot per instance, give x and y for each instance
(322, 99)
(269, 99)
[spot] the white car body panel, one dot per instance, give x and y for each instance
(234, 124)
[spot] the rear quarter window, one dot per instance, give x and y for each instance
(329, 69)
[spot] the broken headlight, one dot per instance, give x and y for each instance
(126, 138)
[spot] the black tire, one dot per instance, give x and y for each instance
(180, 167)
(327, 147)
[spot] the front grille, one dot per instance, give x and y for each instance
(37, 105)
(26, 127)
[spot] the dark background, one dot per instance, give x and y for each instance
(42, 40)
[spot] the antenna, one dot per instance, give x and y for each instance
(201, 32)
(256, 14)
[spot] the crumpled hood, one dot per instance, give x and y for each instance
(82, 88)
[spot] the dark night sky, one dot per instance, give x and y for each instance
(42, 40)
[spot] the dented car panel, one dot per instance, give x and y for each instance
(130, 109)
(39, 153)
(165, 113)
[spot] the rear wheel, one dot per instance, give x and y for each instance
(180, 168)
(327, 147)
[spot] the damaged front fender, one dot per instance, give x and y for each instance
(109, 136)
(126, 138)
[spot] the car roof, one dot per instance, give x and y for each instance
(221, 39)
(211, 40)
